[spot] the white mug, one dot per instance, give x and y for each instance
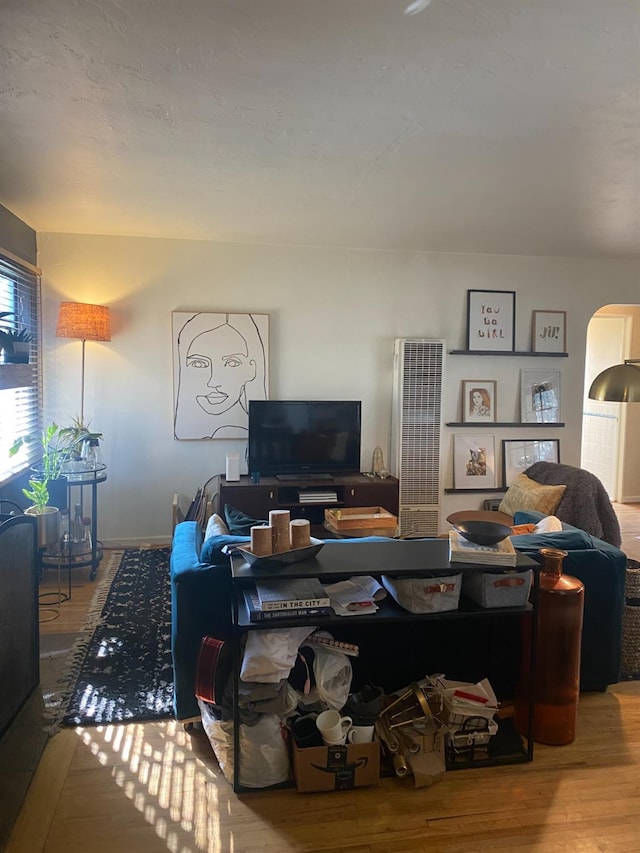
(333, 727)
(360, 734)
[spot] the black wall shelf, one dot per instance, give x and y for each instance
(520, 353)
(482, 424)
(478, 491)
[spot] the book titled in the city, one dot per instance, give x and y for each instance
(252, 603)
(293, 594)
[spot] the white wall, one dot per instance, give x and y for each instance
(334, 315)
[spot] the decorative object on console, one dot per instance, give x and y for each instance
(518, 455)
(482, 532)
(549, 331)
(556, 686)
(618, 384)
(474, 462)
(540, 396)
(262, 540)
(85, 322)
(300, 533)
(491, 320)
(378, 468)
(283, 558)
(279, 520)
(478, 400)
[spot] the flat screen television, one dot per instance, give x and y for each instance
(303, 438)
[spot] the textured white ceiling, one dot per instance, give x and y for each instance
(508, 126)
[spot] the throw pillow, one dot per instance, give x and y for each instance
(525, 493)
(216, 527)
(238, 522)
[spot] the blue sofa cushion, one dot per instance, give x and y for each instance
(212, 553)
(568, 540)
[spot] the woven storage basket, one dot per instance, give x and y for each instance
(630, 660)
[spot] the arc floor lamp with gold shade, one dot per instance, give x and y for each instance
(84, 322)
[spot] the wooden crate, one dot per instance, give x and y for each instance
(361, 518)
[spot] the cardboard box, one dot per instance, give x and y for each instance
(336, 768)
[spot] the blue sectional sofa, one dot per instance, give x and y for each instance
(201, 605)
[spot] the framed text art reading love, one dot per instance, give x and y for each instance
(491, 320)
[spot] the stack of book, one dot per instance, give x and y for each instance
(284, 599)
(317, 496)
(463, 551)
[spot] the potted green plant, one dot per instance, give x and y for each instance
(49, 472)
(15, 342)
(16, 345)
(48, 516)
(80, 444)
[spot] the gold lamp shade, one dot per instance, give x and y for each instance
(618, 384)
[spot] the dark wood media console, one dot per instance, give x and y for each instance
(257, 499)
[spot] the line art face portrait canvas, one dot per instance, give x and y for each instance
(220, 362)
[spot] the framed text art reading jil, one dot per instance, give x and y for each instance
(549, 331)
(491, 320)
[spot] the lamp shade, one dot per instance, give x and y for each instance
(618, 384)
(84, 321)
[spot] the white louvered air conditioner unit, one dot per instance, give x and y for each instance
(415, 433)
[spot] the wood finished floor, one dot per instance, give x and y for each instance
(152, 787)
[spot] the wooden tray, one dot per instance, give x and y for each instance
(283, 558)
(360, 518)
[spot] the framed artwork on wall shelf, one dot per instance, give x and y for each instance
(478, 400)
(540, 396)
(491, 320)
(474, 462)
(549, 331)
(518, 455)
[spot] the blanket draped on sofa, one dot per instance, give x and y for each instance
(585, 503)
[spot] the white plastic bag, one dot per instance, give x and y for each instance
(264, 758)
(333, 673)
(270, 654)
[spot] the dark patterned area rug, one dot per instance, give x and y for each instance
(123, 668)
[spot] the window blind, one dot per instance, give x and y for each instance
(20, 407)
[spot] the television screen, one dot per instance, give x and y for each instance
(304, 437)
